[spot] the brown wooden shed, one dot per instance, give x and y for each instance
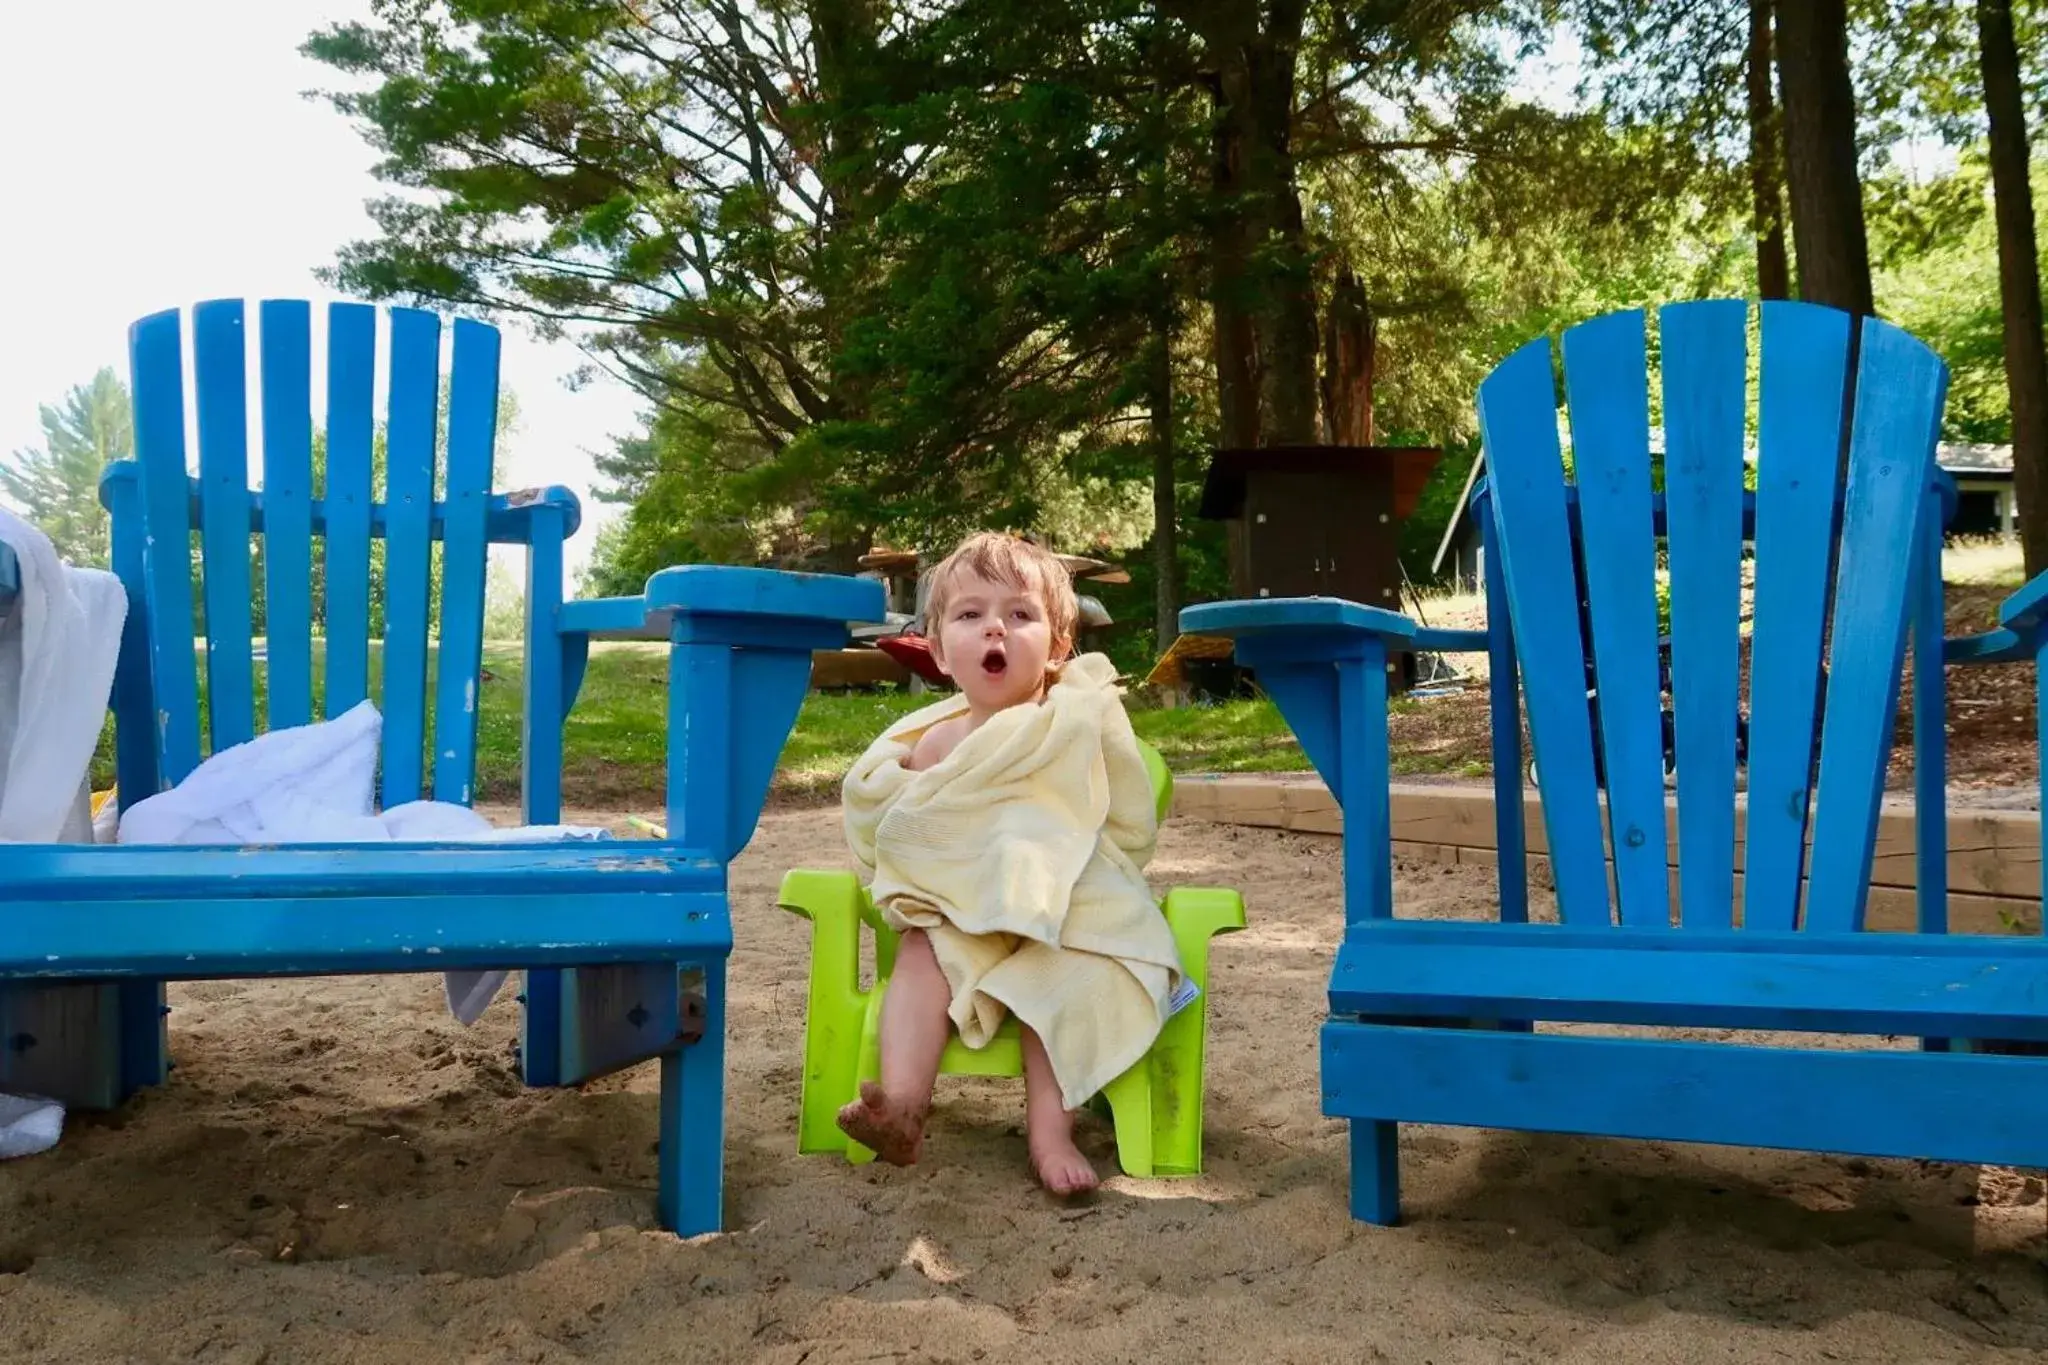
(1317, 521)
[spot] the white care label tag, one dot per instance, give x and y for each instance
(1183, 996)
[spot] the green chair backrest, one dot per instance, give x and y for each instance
(1162, 780)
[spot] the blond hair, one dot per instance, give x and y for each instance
(1022, 564)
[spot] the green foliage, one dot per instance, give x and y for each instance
(1441, 497)
(888, 273)
(1937, 246)
(504, 605)
(57, 487)
(662, 179)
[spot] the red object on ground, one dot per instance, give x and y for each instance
(914, 652)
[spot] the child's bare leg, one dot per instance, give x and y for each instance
(1049, 1128)
(890, 1117)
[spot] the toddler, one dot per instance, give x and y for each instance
(1006, 828)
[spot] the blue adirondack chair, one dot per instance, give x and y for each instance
(1431, 1022)
(627, 942)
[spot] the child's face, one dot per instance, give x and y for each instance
(995, 642)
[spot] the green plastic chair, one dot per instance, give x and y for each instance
(1156, 1106)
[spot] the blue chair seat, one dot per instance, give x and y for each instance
(198, 913)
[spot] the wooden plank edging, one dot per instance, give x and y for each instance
(1994, 864)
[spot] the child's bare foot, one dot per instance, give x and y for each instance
(895, 1132)
(1060, 1166)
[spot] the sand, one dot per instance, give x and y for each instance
(339, 1172)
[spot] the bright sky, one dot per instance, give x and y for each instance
(161, 154)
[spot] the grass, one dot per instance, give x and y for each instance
(1229, 737)
(1983, 561)
(615, 744)
(615, 741)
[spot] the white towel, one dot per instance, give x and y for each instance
(317, 784)
(59, 642)
(28, 1126)
(1020, 855)
(58, 647)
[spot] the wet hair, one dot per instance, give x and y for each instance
(1022, 564)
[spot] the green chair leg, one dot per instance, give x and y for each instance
(838, 1008)
(1129, 1100)
(1196, 915)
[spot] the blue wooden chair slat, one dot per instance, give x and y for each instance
(218, 360)
(156, 360)
(1791, 981)
(626, 955)
(1504, 714)
(287, 378)
(472, 429)
(1964, 1108)
(1802, 386)
(137, 760)
(409, 440)
(1432, 1021)
(1607, 392)
(1930, 725)
(548, 694)
(347, 495)
(1518, 426)
(1901, 386)
(1704, 348)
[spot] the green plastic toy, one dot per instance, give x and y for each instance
(1156, 1106)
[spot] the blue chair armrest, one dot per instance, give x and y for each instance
(1322, 616)
(767, 596)
(2026, 610)
(719, 590)
(739, 666)
(2022, 630)
(1991, 647)
(610, 618)
(1439, 641)
(1319, 659)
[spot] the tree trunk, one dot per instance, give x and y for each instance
(1165, 523)
(1265, 303)
(1766, 162)
(1350, 339)
(2019, 276)
(1237, 377)
(845, 40)
(1820, 154)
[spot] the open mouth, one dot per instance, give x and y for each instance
(993, 663)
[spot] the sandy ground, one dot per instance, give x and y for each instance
(338, 1172)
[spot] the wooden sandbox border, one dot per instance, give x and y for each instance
(1994, 861)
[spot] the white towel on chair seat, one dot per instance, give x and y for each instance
(28, 1125)
(316, 784)
(58, 647)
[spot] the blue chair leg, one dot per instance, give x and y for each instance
(145, 1042)
(692, 1156)
(540, 1027)
(1375, 1171)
